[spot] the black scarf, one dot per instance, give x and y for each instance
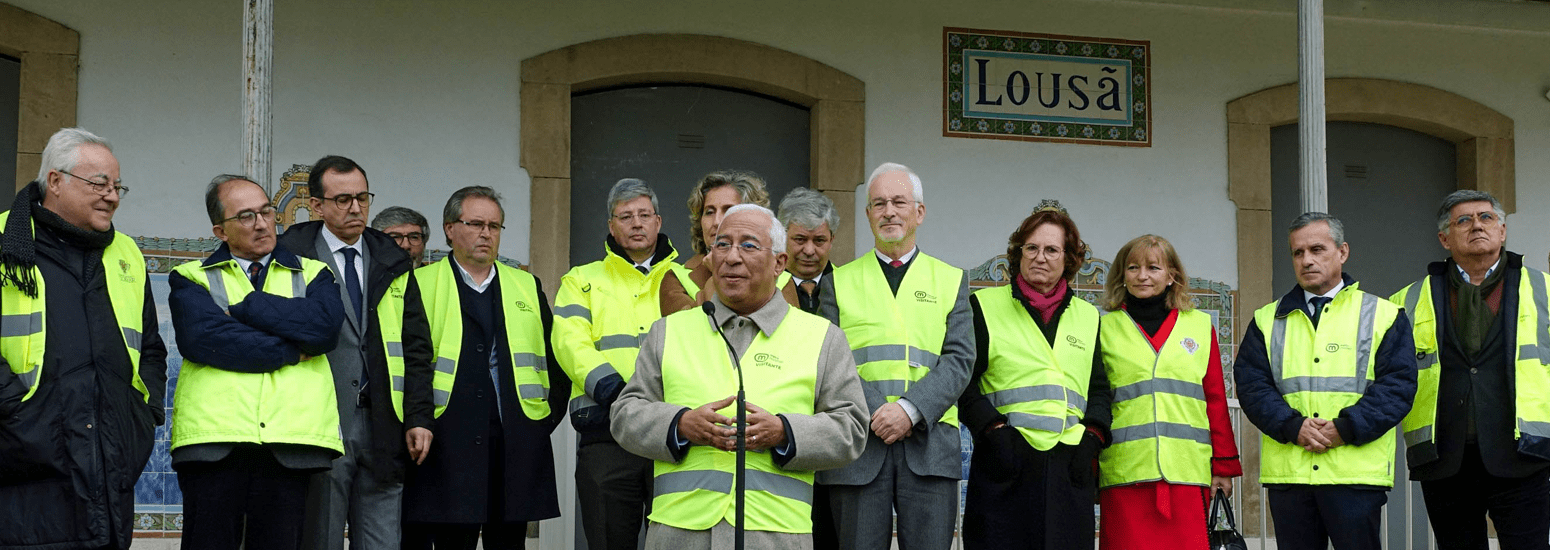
(18, 249)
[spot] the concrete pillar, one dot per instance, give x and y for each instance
(257, 56)
(1310, 95)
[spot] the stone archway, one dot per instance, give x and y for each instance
(1482, 136)
(837, 102)
(49, 54)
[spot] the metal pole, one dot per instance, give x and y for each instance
(257, 56)
(1310, 96)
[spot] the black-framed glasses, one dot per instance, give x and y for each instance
(629, 217)
(247, 217)
(746, 247)
(343, 200)
(480, 226)
(101, 187)
(413, 238)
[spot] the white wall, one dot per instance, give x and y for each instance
(425, 96)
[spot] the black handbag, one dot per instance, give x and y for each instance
(1224, 536)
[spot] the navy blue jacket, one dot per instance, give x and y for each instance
(264, 332)
(1380, 409)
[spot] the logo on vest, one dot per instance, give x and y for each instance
(1333, 347)
(586, 287)
(521, 305)
(767, 360)
(1190, 345)
(924, 297)
(123, 271)
(1076, 342)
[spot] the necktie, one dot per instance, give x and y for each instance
(254, 269)
(896, 263)
(808, 287)
(352, 281)
(642, 269)
(1318, 308)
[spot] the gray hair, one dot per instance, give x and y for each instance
(398, 215)
(629, 189)
(453, 211)
(1336, 229)
(213, 206)
(63, 152)
(808, 208)
(777, 231)
(889, 167)
(1460, 197)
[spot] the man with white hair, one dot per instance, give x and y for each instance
(907, 318)
(83, 370)
(1478, 437)
(803, 402)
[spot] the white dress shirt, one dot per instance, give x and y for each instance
(338, 246)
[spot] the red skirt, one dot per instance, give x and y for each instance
(1153, 516)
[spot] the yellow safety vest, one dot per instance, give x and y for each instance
(1320, 372)
(524, 333)
(390, 321)
(601, 313)
(1161, 431)
(293, 404)
(1042, 390)
(896, 337)
(1531, 371)
(780, 374)
(23, 319)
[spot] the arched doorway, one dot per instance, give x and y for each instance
(49, 54)
(836, 101)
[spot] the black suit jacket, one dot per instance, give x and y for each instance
(387, 263)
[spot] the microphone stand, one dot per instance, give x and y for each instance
(738, 530)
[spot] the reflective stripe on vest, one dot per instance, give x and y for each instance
(1161, 431)
(23, 337)
(601, 312)
(781, 374)
(390, 323)
(524, 340)
(1041, 389)
(1531, 381)
(294, 404)
(1321, 372)
(896, 337)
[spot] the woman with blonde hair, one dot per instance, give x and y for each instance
(709, 201)
(1172, 440)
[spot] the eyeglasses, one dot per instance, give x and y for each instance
(480, 226)
(248, 217)
(101, 187)
(1033, 251)
(722, 247)
(343, 201)
(1487, 219)
(882, 204)
(629, 217)
(412, 238)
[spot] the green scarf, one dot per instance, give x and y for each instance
(1473, 318)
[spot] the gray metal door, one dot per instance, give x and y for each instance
(10, 100)
(1384, 185)
(671, 136)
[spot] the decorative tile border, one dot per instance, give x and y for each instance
(993, 84)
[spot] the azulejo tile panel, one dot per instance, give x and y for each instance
(1046, 87)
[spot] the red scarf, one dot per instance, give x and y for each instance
(1045, 304)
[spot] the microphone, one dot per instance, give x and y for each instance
(742, 423)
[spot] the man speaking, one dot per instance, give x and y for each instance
(803, 400)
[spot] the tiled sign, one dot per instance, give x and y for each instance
(1045, 87)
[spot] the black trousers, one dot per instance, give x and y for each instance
(825, 536)
(497, 534)
(1519, 508)
(244, 500)
(1021, 497)
(613, 487)
(1311, 517)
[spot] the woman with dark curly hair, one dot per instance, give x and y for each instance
(1173, 441)
(1038, 402)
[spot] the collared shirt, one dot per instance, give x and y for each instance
(1488, 272)
(264, 261)
(337, 246)
(646, 265)
(1307, 297)
(469, 279)
(902, 259)
(798, 280)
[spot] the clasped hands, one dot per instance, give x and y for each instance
(1318, 435)
(705, 426)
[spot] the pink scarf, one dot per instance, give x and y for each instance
(1045, 304)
